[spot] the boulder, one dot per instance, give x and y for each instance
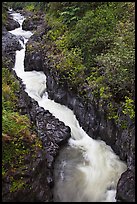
(126, 187)
(11, 24)
(10, 43)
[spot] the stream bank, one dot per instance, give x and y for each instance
(91, 116)
(37, 173)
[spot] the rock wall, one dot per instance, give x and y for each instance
(52, 132)
(10, 43)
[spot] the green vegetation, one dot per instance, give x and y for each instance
(96, 46)
(18, 138)
(128, 107)
(18, 5)
(28, 6)
(4, 13)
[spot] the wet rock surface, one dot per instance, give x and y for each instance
(10, 43)
(126, 186)
(11, 23)
(32, 21)
(52, 132)
(34, 58)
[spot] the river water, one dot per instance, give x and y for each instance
(86, 170)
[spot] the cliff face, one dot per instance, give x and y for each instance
(91, 116)
(36, 174)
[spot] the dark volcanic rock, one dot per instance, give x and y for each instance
(52, 132)
(10, 43)
(11, 24)
(126, 187)
(36, 187)
(28, 24)
(34, 61)
(32, 22)
(34, 57)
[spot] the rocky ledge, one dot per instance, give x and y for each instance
(91, 116)
(51, 131)
(32, 21)
(11, 24)
(10, 43)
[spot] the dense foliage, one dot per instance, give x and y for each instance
(29, 6)
(18, 137)
(96, 47)
(97, 42)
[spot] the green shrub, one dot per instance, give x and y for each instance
(71, 65)
(94, 32)
(9, 87)
(16, 185)
(30, 6)
(104, 33)
(119, 62)
(14, 124)
(129, 107)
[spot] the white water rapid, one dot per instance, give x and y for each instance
(86, 170)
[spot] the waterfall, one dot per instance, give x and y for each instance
(86, 170)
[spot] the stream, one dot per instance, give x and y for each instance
(86, 170)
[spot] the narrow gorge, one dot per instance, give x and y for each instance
(87, 157)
